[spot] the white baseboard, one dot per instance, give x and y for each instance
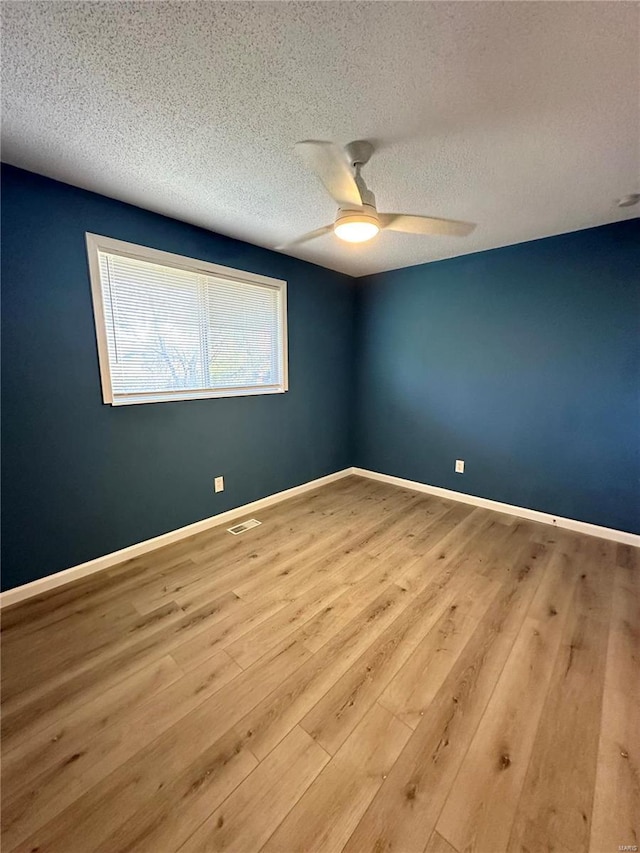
(28, 590)
(522, 512)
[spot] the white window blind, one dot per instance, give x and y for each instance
(172, 328)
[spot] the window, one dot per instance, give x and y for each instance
(173, 328)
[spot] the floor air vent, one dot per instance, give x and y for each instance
(246, 525)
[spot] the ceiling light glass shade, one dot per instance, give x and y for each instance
(356, 232)
(356, 227)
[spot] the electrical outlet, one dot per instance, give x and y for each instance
(218, 484)
(459, 466)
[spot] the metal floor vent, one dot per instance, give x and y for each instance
(245, 525)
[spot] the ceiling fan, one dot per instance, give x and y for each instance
(357, 219)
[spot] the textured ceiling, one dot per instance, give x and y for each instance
(523, 117)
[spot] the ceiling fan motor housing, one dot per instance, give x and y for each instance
(359, 152)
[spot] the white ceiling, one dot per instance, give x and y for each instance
(522, 116)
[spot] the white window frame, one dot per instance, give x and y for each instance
(97, 243)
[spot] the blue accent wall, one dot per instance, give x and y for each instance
(523, 361)
(82, 479)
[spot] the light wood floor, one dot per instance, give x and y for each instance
(369, 670)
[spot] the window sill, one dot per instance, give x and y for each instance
(175, 396)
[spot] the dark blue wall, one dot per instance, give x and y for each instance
(523, 361)
(81, 479)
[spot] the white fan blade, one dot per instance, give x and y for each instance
(310, 235)
(411, 224)
(330, 164)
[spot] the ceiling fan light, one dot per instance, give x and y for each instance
(356, 232)
(356, 227)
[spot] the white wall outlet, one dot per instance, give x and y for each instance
(218, 484)
(459, 466)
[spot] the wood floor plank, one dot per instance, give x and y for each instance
(444, 543)
(252, 645)
(479, 811)
(411, 691)
(20, 682)
(437, 844)
(498, 537)
(54, 744)
(452, 527)
(87, 618)
(403, 814)
(616, 807)
(555, 805)
(169, 813)
(274, 564)
(129, 653)
(42, 703)
(421, 519)
(214, 579)
(367, 579)
(196, 648)
(284, 561)
(301, 562)
(463, 697)
(156, 824)
(126, 789)
(456, 514)
(249, 816)
(344, 564)
(627, 557)
(265, 726)
(326, 815)
(331, 555)
(90, 758)
(337, 713)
